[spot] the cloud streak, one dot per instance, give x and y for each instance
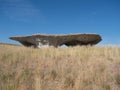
(20, 10)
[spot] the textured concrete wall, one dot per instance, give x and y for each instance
(41, 40)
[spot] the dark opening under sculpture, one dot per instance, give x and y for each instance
(42, 40)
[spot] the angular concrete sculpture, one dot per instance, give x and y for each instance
(42, 40)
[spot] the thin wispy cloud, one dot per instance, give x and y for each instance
(20, 10)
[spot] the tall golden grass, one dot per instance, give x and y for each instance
(73, 68)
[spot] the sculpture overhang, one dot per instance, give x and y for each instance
(43, 40)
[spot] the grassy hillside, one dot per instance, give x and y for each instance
(1, 43)
(73, 68)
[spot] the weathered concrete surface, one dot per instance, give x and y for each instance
(42, 40)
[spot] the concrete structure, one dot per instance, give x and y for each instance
(42, 40)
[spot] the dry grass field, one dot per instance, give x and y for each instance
(73, 68)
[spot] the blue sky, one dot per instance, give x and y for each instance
(26, 17)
